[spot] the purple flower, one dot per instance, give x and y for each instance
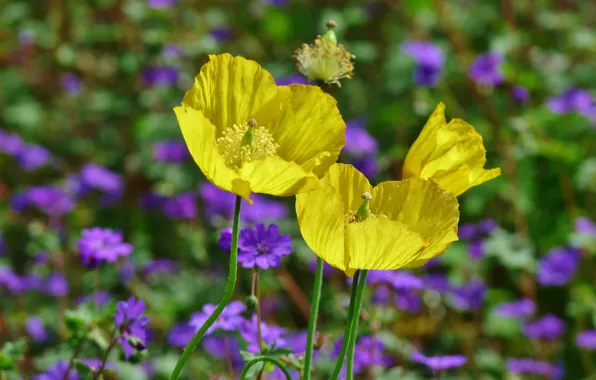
(476, 249)
(171, 51)
(51, 200)
(470, 231)
(32, 157)
(486, 69)
(229, 320)
(548, 327)
(161, 4)
(71, 83)
(36, 329)
(94, 364)
(370, 351)
(291, 79)
(437, 282)
(131, 323)
(181, 334)
(55, 285)
(182, 206)
(10, 144)
(517, 309)
(469, 296)
(225, 239)
(160, 266)
(467, 231)
(327, 269)
(152, 201)
(408, 301)
(2, 246)
(12, 281)
(221, 203)
(174, 152)
(367, 165)
(520, 94)
(98, 245)
(429, 59)
(224, 347)
(487, 226)
(159, 76)
(585, 226)
(269, 334)
(58, 372)
(558, 266)
(396, 278)
(571, 100)
(261, 247)
(100, 298)
(586, 339)
(383, 295)
(276, 3)
(97, 177)
(532, 366)
(440, 363)
(221, 33)
(358, 141)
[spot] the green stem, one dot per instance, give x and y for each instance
(229, 291)
(275, 361)
(347, 333)
(354, 331)
(312, 321)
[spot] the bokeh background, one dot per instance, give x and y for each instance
(88, 139)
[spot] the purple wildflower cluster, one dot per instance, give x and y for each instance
(486, 69)
(429, 61)
(131, 325)
(558, 266)
(361, 148)
(98, 245)
(548, 327)
(30, 157)
(573, 99)
(475, 235)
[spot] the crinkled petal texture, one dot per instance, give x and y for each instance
(450, 153)
(303, 120)
(414, 220)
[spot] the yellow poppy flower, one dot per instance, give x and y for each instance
(450, 153)
(399, 224)
(247, 134)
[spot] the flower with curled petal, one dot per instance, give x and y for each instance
(399, 224)
(248, 135)
(450, 153)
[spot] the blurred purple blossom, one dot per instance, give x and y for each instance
(161, 4)
(476, 249)
(437, 282)
(294, 78)
(225, 239)
(367, 165)
(131, 323)
(58, 372)
(182, 206)
(2, 246)
(32, 157)
(277, 3)
(171, 151)
(51, 200)
(222, 33)
(440, 363)
(370, 352)
(71, 83)
(224, 346)
(429, 59)
(230, 319)
(94, 364)
(99, 298)
(160, 266)
(10, 143)
(36, 329)
(517, 309)
(532, 366)
(97, 177)
(359, 142)
(586, 339)
(171, 51)
(55, 285)
(469, 296)
(218, 202)
(159, 76)
(396, 278)
(11, 281)
(409, 301)
(548, 327)
(152, 201)
(181, 334)
(558, 266)
(263, 247)
(470, 231)
(486, 69)
(327, 269)
(585, 226)
(520, 94)
(270, 334)
(98, 245)
(572, 99)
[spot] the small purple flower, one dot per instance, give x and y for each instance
(225, 239)
(71, 83)
(469, 296)
(383, 295)
(99, 298)
(408, 301)
(517, 309)
(131, 323)
(55, 285)
(370, 351)
(486, 69)
(276, 3)
(520, 94)
(152, 201)
(36, 329)
(12, 281)
(269, 334)
(181, 334)
(359, 142)
(487, 226)
(51, 200)
(291, 79)
(182, 206)
(558, 266)
(262, 247)
(229, 320)
(586, 339)
(467, 231)
(223, 347)
(32, 157)
(585, 226)
(98, 245)
(476, 249)
(160, 266)
(58, 372)
(548, 327)
(396, 278)
(171, 151)
(437, 282)
(440, 363)
(532, 366)
(94, 364)
(571, 100)
(171, 51)
(161, 4)
(221, 33)
(10, 144)
(160, 76)
(327, 269)
(367, 165)
(97, 177)
(429, 59)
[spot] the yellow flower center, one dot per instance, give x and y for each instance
(363, 211)
(244, 143)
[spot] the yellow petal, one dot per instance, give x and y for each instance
(380, 243)
(275, 176)
(349, 183)
(199, 135)
(321, 220)
(451, 153)
(424, 207)
(230, 90)
(308, 124)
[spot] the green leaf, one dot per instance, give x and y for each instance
(11, 352)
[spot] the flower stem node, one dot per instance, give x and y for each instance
(251, 302)
(364, 209)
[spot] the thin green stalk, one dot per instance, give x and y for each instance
(312, 321)
(347, 333)
(354, 331)
(275, 361)
(228, 293)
